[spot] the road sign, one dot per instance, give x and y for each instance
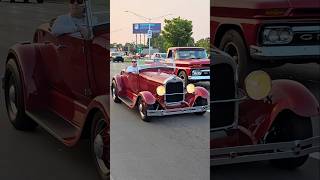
(149, 35)
(142, 28)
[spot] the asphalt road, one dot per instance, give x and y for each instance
(34, 155)
(168, 148)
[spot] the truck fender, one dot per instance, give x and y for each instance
(32, 72)
(148, 97)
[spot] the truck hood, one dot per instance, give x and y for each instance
(256, 8)
(266, 4)
(193, 63)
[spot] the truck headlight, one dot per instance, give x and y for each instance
(196, 72)
(277, 35)
(191, 88)
(161, 90)
(258, 85)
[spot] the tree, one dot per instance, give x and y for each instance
(205, 42)
(158, 43)
(177, 32)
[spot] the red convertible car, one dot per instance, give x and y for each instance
(269, 120)
(60, 83)
(156, 91)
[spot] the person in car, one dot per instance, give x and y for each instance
(73, 23)
(134, 67)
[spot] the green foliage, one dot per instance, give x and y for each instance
(177, 32)
(204, 43)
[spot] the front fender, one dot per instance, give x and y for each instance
(118, 80)
(291, 95)
(148, 97)
(286, 95)
(32, 72)
(201, 92)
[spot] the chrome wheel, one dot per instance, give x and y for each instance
(113, 90)
(101, 147)
(141, 110)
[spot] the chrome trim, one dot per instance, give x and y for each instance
(284, 51)
(199, 77)
(230, 100)
(260, 152)
(305, 28)
(177, 111)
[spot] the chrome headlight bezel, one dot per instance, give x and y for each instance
(277, 35)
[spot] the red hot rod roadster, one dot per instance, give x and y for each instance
(269, 120)
(157, 91)
(60, 83)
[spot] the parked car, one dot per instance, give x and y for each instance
(116, 57)
(266, 33)
(192, 63)
(158, 56)
(268, 120)
(60, 83)
(156, 91)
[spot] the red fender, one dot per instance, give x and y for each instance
(32, 74)
(147, 97)
(288, 95)
(199, 92)
(202, 92)
(118, 80)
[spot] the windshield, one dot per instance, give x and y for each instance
(145, 65)
(191, 54)
(163, 55)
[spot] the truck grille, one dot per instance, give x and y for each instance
(222, 88)
(174, 91)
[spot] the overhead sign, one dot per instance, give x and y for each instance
(142, 28)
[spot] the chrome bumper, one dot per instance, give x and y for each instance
(312, 52)
(177, 111)
(261, 152)
(198, 78)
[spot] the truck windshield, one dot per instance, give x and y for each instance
(191, 54)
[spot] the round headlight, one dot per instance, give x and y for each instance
(286, 36)
(258, 85)
(273, 36)
(191, 88)
(161, 90)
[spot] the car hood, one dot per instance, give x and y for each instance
(156, 76)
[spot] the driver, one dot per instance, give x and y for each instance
(133, 68)
(74, 22)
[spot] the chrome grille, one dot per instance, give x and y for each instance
(174, 91)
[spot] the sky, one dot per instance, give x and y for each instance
(121, 22)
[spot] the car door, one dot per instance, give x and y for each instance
(72, 62)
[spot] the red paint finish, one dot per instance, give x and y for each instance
(66, 75)
(145, 83)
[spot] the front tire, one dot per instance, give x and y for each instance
(100, 145)
(233, 44)
(14, 98)
(143, 108)
(200, 102)
(114, 94)
(290, 127)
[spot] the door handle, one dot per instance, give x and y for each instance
(61, 46)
